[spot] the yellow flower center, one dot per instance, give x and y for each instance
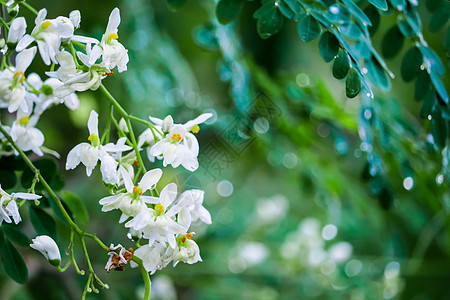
(24, 121)
(137, 191)
(93, 138)
(195, 129)
(21, 74)
(159, 208)
(176, 138)
(46, 24)
(113, 36)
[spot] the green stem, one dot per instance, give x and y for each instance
(145, 276)
(29, 7)
(127, 117)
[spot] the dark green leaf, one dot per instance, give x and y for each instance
(413, 18)
(428, 104)
(341, 65)
(2, 238)
(433, 59)
(432, 5)
(228, 10)
(392, 42)
(270, 23)
(372, 13)
(447, 40)
(308, 28)
(357, 13)
(14, 264)
(8, 179)
(406, 29)
(42, 222)
(339, 14)
(381, 4)
(439, 129)
(378, 75)
(15, 235)
(328, 46)
(398, 4)
(411, 64)
(352, 84)
(176, 4)
(291, 9)
(422, 85)
(439, 19)
(440, 88)
(352, 31)
(264, 10)
(77, 207)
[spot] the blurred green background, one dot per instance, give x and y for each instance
(303, 206)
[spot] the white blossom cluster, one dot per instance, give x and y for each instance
(162, 219)
(28, 96)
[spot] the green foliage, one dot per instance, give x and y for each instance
(15, 235)
(42, 222)
(228, 10)
(13, 262)
(308, 28)
(328, 46)
(77, 207)
(352, 84)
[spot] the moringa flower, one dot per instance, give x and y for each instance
(48, 247)
(8, 205)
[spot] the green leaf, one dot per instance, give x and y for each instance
(374, 17)
(439, 19)
(447, 40)
(42, 222)
(77, 207)
(392, 42)
(406, 29)
(176, 4)
(270, 23)
(308, 28)
(439, 129)
(411, 63)
(291, 9)
(352, 31)
(422, 85)
(339, 14)
(2, 238)
(413, 18)
(341, 65)
(228, 10)
(378, 75)
(433, 59)
(398, 4)
(428, 104)
(48, 169)
(352, 84)
(15, 235)
(328, 46)
(440, 88)
(432, 5)
(14, 264)
(357, 13)
(8, 179)
(380, 4)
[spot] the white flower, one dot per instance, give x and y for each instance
(26, 136)
(187, 251)
(8, 205)
(151, 256)
(12, 90)
(114, 53)
(16, 30)
(193, 201)
(147, 140)
(179, 146)
(133, 201)
(48, 247)
(48, 34)
(114, 175)
(46, 97)
(89, 154)
(75, 18)
(74, 79)
(157, 224)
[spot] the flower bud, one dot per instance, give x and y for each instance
(167, 123)
(123, 125)
(48, 247)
